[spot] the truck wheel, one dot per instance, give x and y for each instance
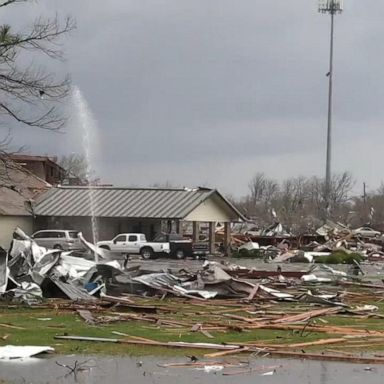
(146, 253)
(179, 254)
(58, 247)
(105, 247)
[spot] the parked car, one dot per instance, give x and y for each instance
(134, 244)
(366, 232)
(65, 239)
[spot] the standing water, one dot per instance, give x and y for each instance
(88, 127)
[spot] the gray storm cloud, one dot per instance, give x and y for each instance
(210, 92)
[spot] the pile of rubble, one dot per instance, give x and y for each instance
(277, 244)
(29, 272)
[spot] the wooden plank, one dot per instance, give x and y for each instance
(226, 353)
(206, 334)
(152, 342)
(306, 315)
(240, 318)
(317, 342)
(141, 339)
(253, 293)
(324, 329)
(326, 357)
(198, 364)
(260, 370)
(3, 325)
(262, 345)
(119, 300)
(364, 285)
(86, 316)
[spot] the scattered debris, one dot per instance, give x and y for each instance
(152, 343)
(77, 367)
(212, 368)
(9, 352)
(230, 297)
(87, 316)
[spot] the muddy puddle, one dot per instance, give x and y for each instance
(101, 370)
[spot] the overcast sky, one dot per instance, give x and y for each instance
(209, 92)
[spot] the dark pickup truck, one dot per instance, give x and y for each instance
(181, 247)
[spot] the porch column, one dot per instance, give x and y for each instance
(212, 235)
(195, 231)
(178, 226)
(227, 238)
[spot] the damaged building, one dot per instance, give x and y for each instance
(19, 188)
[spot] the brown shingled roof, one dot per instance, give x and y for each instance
(18, 187)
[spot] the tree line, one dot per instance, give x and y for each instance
(298, 202)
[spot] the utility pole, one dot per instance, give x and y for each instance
(330, 7)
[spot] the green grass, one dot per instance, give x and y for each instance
(39, 332)
(339, 257)
(42, 333)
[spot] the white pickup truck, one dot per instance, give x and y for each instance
(134, 244)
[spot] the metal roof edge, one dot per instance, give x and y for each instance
(241, 216)
(79, 187)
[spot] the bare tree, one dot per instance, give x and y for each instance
(164, 184)
(271, 190)
(8, 2)
(75, 165)
(341, 187)
(29, 95)
(257, 187)
(315, 194)
(369, 210)
(299, 201)
(292, 199)
(380, 190)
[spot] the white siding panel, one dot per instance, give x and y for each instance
(212, 209)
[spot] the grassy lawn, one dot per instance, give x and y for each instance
(37, 330)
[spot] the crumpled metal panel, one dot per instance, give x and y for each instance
(70, 290)
(3, 270)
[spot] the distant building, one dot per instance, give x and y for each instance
(18, 190)
(74, 181)
(44, 167)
